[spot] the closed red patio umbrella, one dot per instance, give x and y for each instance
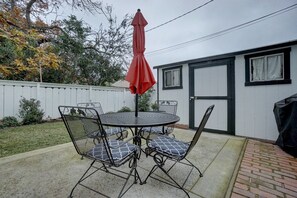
(139, 74)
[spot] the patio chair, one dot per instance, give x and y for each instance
(163, 148)
(120, 133)
(167, 106)
(110, 153)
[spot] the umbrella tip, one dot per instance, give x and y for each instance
(138, 10)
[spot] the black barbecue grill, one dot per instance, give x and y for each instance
(285, 112)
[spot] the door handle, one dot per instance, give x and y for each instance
(192, 98)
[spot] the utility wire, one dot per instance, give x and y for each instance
(171, 20)
(153, 28)
(228, 30)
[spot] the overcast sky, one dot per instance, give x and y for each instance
(215, 16)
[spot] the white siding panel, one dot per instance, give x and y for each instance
(67, 97)
(48, 102)
(130, 99)
(82, 95)
(2, 94)
(73, 95)
(42, 99)
(33, 92)
(56, 101)
(26, 93)
(17, 95)
(62, 96)
(8, 97)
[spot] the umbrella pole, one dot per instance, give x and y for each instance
(137, 140)
(136, 105)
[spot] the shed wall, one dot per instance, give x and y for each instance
(254, 104)
(181, 95)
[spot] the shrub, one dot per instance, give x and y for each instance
(9, 121)
(155, 106)
(30, 112)
(124, 109)
(144, 100)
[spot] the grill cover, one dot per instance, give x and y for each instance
(285, 112)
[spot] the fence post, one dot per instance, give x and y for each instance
(124, 97)
(90, 93)
(38, 91)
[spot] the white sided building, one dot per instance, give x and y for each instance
(243, 85)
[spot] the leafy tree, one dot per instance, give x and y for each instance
(64, 51)
(82, 62)
(22, 53)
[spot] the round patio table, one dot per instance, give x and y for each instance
(144, 119)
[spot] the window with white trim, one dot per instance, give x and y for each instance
(172, 78)
(267, 68)
(271, 67)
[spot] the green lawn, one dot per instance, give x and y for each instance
(30, 137)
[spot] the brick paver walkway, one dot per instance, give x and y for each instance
(266, 171)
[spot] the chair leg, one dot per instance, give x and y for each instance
(133, 172)
(136, 177)
(179, 186)
(161, 168)
(200, 174)
(160, 162)
(82, 178)
(151, 172)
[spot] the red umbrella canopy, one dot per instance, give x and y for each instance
(139, 74)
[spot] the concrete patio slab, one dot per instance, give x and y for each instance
(52, 172)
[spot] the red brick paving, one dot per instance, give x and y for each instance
(265, 171)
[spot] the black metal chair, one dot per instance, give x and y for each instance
(163, 148)
(119, 132)
(109, 152)
(167, 106)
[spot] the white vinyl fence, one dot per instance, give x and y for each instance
(52, 95)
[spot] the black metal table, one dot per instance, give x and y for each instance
(144, 119)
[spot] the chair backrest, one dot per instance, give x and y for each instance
(94, 105)
(200, 128)
(169, 106)
(75, 120)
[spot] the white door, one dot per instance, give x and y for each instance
(213, 83)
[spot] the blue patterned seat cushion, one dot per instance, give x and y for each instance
(113, 131)
(118, 153)
(158, 129)
(168, 145)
